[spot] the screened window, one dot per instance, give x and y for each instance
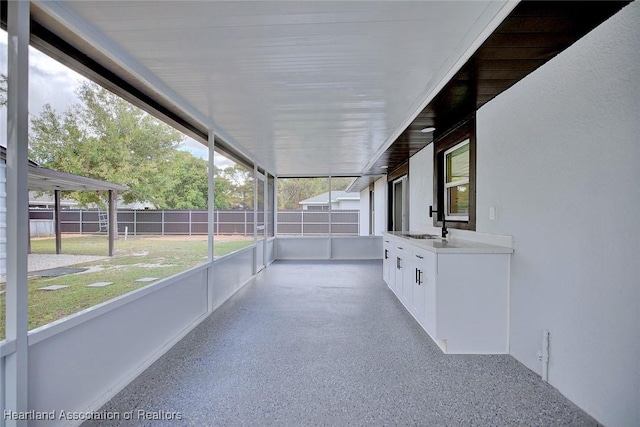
(300, 202)
(234, 204)
(456, 184)
(454, 163)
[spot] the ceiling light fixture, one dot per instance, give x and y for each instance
(428, 129)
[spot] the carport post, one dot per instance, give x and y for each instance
(56, 199)
(113, 220)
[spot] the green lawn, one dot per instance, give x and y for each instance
(133, 259)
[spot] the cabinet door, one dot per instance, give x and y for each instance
(408, 279)
(387, 262)
(403, 273)
(399, 271)
(426, 262)
(418, 299)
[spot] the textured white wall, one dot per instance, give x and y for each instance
(380, 200)
(421, 189)
(559, 157)
(364, 212)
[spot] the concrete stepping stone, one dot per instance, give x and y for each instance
(53, 287)
(99, 284)
(147, 279)
(56, 272)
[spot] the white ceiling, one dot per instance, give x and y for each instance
(304, 88)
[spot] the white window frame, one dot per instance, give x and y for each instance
(448, 185)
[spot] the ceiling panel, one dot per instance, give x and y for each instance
(303, 87)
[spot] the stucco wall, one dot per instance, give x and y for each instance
(421, 185)
(380, 200)
(364, 212)
(559, 158)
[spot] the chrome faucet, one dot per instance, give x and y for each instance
(444, 223)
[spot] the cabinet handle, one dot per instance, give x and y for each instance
(416, 281)
(386, 241)
(420, 282)
(419, 256)
(386, 254)
(398, 263)
(399, 247)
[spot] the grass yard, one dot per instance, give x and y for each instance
(135, 258)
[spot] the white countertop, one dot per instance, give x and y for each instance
(451, 245)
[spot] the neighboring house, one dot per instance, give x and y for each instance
(38, 199)
(340, 201)
(45, 227)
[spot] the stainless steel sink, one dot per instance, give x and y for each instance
(420, 236)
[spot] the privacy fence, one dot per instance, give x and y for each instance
(194, 222)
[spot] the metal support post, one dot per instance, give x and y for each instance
(58, 231)
(255, 217)
(16, 364)
(210, 222)
(275, 207)
(113, 220)
(330, 220)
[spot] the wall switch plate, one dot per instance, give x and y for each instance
(492, 213)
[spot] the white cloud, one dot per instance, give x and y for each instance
(49, 81)
(200, 150)
(195, 148)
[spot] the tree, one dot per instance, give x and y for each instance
(223, 191)
(104, 137)
(241, 186)
(187, 183)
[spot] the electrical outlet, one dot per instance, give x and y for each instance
(540, 355)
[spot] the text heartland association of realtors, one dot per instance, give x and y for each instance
(138, 415)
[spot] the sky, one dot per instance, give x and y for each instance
(54, 83)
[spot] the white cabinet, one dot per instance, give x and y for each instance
(424, 289)
(387, 261)
(460, 299)
(403, 285)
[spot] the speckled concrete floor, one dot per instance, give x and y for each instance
(326, 343)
